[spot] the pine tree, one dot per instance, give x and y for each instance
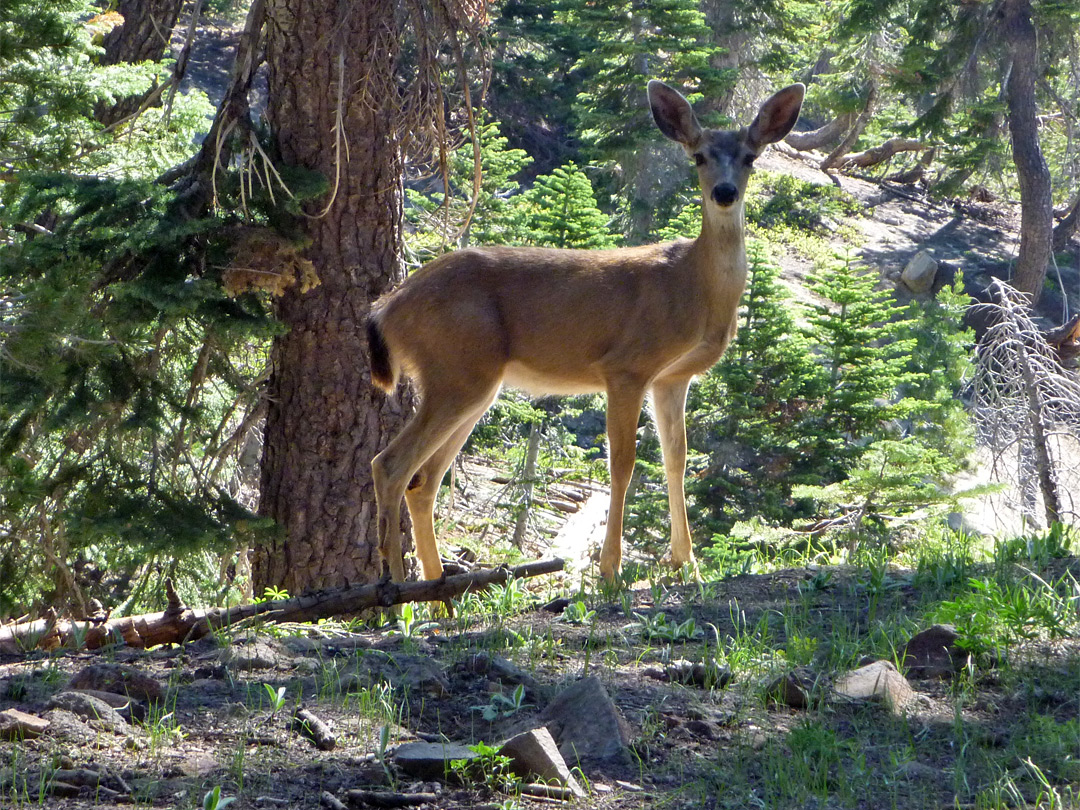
(864, 355)
(496, 219)
(562, 211)
(628, 43)
(757, 399)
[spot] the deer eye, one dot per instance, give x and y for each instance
(699, 159)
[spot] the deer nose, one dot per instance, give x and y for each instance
(725, 193)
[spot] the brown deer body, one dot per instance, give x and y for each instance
(629, 322)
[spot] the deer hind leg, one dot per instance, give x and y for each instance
(623, 410)
(440, 416)
(423, 490)
(669, 405)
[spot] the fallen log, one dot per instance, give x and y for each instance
(178, 623)
(881, 153)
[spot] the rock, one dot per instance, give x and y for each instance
(90, 708)
(120, 679)
(535, 754)
(127, 708)
(587, 725)
(557, 605)
(702, 730)
(503, 671)
(67, 727)
(417, 674)
(934, 653)
(879, 681)
(17, 725)
(794, 688)
(705, 674)
(919, 273)
(255, 655)
(426, 760)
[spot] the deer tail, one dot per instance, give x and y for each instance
(383, 373)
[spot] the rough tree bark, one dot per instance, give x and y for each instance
(1066, 229)
(1036, 202)
(144, 37)
(332, 108)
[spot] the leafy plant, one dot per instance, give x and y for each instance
(994, 615)
(501, 705)
(577, 613)
(213, 800)
(408, 623)
(490, 769)
(272, 594)
(277, 697)
(657, 627)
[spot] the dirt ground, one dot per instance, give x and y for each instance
(690, 746)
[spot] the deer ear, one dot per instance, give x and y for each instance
(777, 116)
(673, 114)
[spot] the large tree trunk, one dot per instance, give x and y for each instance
(331, 74)
(144, 37)
(1036, 203)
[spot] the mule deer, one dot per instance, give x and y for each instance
(627, 322)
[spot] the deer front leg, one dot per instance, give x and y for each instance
(669, 404)
(623, 409)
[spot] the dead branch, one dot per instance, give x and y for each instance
(1026, 407)
(881, 153)
(834, 157)
(177, 623)
(822, 136)
(315, 729)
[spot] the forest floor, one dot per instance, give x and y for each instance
(686, 739)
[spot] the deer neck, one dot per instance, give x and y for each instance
(721, 247)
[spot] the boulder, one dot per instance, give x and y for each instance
(17, 725)
(934, 653)
(255, 655)
(90, 708)
(535, 755)
(879, 681)
(919, 273)
(427, 760)
(118, 678)
(587, 725)
(794, 688)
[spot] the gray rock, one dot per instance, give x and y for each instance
(919, 273)
(417, 674)
(127, 708)
(879, 681)
(120, 679)
(934, 653)
(426, 760)
(91, 708)
(795, 688)
(587, 725)
(17, 725)
(67, 727)
(535, 754)
(255, 655)
(505, 672)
